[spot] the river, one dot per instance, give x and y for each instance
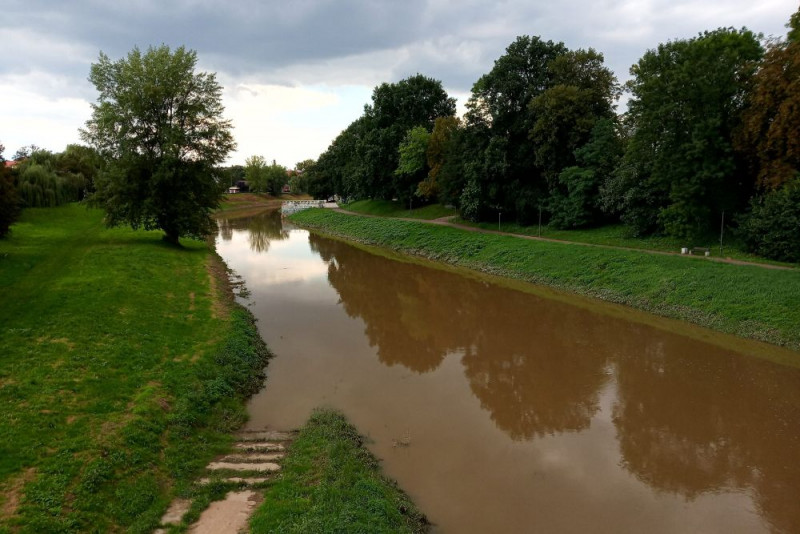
(499, 410)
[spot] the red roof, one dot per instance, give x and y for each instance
(11, 163)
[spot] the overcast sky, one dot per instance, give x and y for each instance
(297, 72)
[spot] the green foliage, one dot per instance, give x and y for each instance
(413, 152)
(744, 300)
(576, 202)
(331, 483)
(772, 228)
(40, 187)
(361, 161)
(412, 166)
(680, 170)
(9, 198)
(112, 404)
(255, 173)
(159, 124)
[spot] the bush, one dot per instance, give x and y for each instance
(9, 200)
(772, 228)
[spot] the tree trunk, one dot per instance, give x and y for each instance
(171, 237)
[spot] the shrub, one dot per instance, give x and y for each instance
(772, 228)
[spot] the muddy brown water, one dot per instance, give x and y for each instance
(499, 410)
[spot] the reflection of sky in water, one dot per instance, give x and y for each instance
(285, 262)
(521, 411)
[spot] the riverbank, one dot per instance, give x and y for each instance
(748, 301)
(125, 367)
(331, 483)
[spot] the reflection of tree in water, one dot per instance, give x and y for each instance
(403, 315)
(261, 229)
(530, 378)
(692, 423)
(540, 365)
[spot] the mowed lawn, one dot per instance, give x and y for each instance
(113, 383)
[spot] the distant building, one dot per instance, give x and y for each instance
(11, 164)
(233, 190)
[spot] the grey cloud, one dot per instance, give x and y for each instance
(301, 41)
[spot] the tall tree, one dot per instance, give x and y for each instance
(255, 173)
(680, 170)
(438, 151)
(771, 123)
(396, 108)
(504, 169)
(159, 123)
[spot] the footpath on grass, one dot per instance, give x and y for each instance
(448, 221)
(746, 300)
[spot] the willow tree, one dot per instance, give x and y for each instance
(160, 126)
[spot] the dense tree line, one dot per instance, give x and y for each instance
(710, 135)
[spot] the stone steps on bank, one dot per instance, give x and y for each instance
(255, 459)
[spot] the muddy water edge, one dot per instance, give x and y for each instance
(500, 410)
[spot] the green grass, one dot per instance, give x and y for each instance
(392, 208)
(331, 483)
(749, 301)
(618, 235)
(123, 369)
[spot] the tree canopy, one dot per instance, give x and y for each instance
(160, 126)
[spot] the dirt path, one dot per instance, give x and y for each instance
(255, 458)
(447, 221)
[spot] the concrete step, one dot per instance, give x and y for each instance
(235, 480)
(260, 467)
(259, 446)
(228, 515)
(252, 457)
(266, 435)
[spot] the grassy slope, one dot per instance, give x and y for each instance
(617, 235)
(745, 300)
(330, 483)
(121, 370)
(388, 208)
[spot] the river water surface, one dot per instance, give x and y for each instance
(499, 410)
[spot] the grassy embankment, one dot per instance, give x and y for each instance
(617, 235)
(390, 208)
(124, 366)
(331, 483)
(749, 301)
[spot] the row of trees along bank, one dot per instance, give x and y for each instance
(710, 134)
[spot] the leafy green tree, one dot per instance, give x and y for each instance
(9, 199)
(680, 170)
(255, 173)
(576, 203)
(581, 93)
(159, 124)
(276, 177)
(79, 165)
(413, 164)
(396, 108)
(500, 119)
